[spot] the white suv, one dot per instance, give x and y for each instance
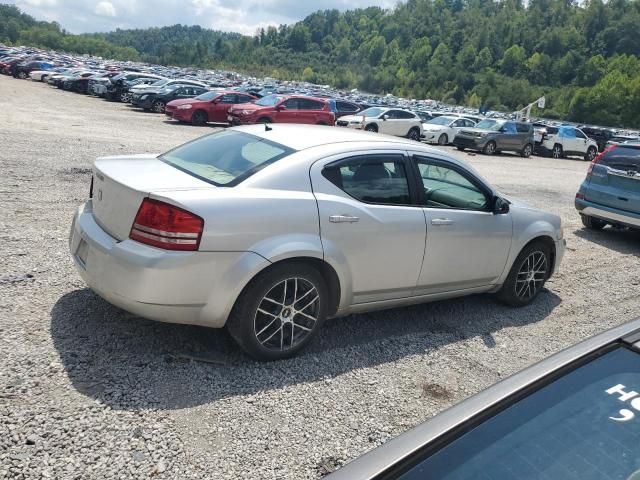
(565, 141)
(392, 121)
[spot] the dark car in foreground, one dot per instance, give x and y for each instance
(492, 136)
(610, 194)
(575, 415)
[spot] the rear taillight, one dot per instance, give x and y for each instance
(599, 157)
(166, 226)
(580, 196)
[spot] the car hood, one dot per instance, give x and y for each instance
(182, 101)
(247, 106)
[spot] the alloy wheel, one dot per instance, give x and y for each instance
(287, 314)
(414, 135)
(158, 107)
(557, 151)
(527, 151)
(591, 154)
(490, 149)
(531, 276)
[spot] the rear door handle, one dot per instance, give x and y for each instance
(343, 219)
(441, 221)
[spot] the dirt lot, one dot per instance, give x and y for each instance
(89, 391)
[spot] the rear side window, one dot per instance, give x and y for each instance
(225, 158)
(372, 179)
(347, 107)
(524, 127)
(405, 115)
(585, 424)
(306, 104)
(622, 158)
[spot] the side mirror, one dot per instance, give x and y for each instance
(215, 101)
(500, 205)
(281, 107)
(385, 117)
(503, 130)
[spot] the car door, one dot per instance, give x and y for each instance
(219, 107)
(288, 114)
(456, 127)
(309, 110)
(467, 244)
(581, 142)
(393, 124)
(508, 140)
(369, 222)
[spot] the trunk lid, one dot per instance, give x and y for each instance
(615, 179)
(121, 183)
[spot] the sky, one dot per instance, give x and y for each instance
(242, 16)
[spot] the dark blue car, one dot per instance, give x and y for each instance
(610, 195)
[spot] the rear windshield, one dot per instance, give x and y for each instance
(623, 158)
(584, 425)
(225, 158)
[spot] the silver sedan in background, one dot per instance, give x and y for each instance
(269, 230)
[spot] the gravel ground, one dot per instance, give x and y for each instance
(89, 391)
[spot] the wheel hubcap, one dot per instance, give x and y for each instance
(287, 314)
(556, 153)
(531, 275)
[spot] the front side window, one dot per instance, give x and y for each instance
(579, 134)
(446, 187)
(225, 158)
(378, 179)
(292, 104)
(567, 132)
(510, 128)
(228, 98)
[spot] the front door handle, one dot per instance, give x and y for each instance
(441, 221)
(343, 219)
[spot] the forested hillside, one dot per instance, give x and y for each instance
(583, 58)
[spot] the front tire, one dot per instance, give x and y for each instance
(279, 312)
(489, 148)
(528, 275)
(443, 139)
(199, 118)
(158, 106)
(591, 154)
(371, 128)
(593, 223)
(22, 75)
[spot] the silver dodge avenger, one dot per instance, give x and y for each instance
(269, 230)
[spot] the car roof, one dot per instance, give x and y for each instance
(301, 137)
(373, 463)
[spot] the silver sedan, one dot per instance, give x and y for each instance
(269, 230)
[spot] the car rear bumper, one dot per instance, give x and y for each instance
(609, 214)
(196, 288)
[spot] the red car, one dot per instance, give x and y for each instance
(208, 107)
(284, 109)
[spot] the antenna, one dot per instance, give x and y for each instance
(267, 128)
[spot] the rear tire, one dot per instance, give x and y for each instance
(414, 134)
(556, 152)
(199, 118)
(593, 223)
(265, 321)
(528, 274)
(527, 151)
(460, 148)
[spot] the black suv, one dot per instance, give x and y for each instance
(600, 135)
(156, 100)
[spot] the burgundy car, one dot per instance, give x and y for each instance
(284, 109)
(208, 107)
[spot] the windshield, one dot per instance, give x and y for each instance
(372, 112)
(441, 121)
(490, 125)
(225, 158)
(586, 424)
(208, 96)
(269, 101)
